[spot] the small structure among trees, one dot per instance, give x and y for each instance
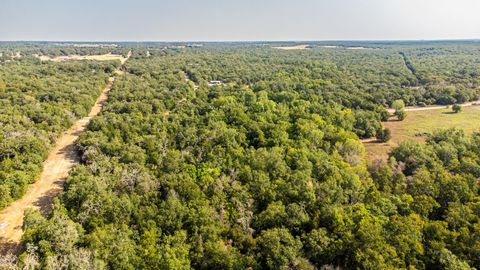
(214, 83)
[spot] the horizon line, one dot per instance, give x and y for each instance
(245, 41)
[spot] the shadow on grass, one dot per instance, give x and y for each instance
(376, 142)
(394, 120)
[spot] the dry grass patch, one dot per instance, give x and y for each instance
(296, 47)
(424, 122)
(100, 57)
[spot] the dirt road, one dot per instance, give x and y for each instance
(436, 107)
(40, 194)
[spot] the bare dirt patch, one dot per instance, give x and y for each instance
(296, 47)
(329, 47)
(100, 57)
(356, 48)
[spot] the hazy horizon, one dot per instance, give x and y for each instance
(230, 21)
(245, 41)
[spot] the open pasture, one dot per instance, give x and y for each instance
(419, 123)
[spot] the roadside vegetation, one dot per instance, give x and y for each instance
(37, 103)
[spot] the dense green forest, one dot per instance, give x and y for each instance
(26, 50)
(38, 100)
(266, 170)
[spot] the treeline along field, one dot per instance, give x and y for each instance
(265, 171)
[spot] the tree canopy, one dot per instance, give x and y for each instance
(265, 171)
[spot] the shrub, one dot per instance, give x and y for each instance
(384, 135)
(456, 108)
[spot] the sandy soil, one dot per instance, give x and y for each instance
(297, 47)
(329, 47)
(102, 57)
(40, 194)
(356, 48)
(124, 59)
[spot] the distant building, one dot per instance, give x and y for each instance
(213, 83)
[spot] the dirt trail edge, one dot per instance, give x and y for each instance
(435, 107)
(61, 158)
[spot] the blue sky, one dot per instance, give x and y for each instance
(229, 20)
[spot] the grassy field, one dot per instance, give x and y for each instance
(426, 121)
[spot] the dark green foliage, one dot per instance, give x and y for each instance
(384, 135)
(265, 172)
(401, 114)
(456, 108)
(366, 124)
(37, 102)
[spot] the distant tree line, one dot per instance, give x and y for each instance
(266, 172)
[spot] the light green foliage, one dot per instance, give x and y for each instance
(265, 172)
(384, 135)
(400, 114)
(456, 108)
(37, 102)
(278, 249)
(398, 105)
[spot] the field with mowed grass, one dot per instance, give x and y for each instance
(424, 122)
